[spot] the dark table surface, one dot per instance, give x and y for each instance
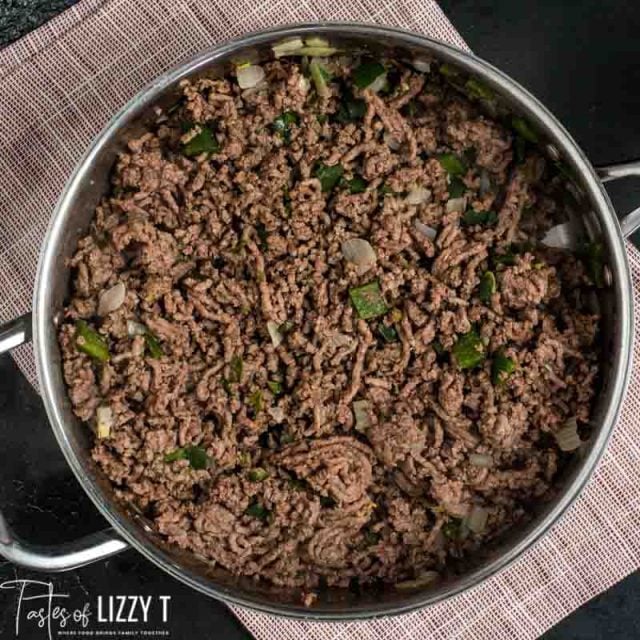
(580, 57)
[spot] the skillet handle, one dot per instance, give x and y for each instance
(631, 222)
(49, 558)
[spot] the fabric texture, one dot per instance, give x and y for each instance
(61, 84)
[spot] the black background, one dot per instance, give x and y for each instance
(582, 59)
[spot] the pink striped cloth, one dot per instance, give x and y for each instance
(59, 87)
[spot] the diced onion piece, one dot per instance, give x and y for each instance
(485, 182)
(567, 437)
(111, 299)
(477, 519)
(274, 332)
(418, 195)
(425, 229)
(287, 46)
(456, 204)
(393, 143)
(423, 580)
(314, 41)
(135, 328)
(104, 422)
(562, 236)
(361, 413)
(304, 84)
(318, 78)
(277, 413)
(249, 76)
(481, 460)
(358, 251)
(423, 66)
(378, 84)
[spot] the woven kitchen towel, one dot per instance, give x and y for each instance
(59, 87)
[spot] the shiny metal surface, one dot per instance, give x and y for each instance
(71, 219)
(61, 557)
(15, 333)
(629, 223)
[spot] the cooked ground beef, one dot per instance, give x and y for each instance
(301, 408)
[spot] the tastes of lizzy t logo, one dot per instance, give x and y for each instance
(38, 604)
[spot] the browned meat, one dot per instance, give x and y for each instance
(250, 406)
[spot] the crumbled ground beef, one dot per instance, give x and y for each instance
(257, 416)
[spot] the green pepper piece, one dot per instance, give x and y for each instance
(255, 400)
(203, 142)
(371, 537)
(593, 257)
(366, 73)
(91, 342)
(452, 164)
(487, 286)
(478, 89)
(328, 176)
(485, 218)
(457, 188)
(448, 71)
(197, 456)
(508, 258)
(451, 528)
(275, 387)
(368, 300)
(258, 474)
(389, 334)
(236, 367)
(524, 129)
(176, 454)
(501, 368)
(469, 350)
(357, 184)
(282, 124)
(351, 109)
(437, 347)
(256, 510)
(153, 345)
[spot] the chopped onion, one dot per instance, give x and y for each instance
(358, 251)
(567, 437)
(304, 84)
(111, 299)
(249, 76)
(274, 332)
(277, 413)
(423, 66)
(423, 580)
(562, 236)
(314, 41)
(287, 46)
(477, 519)
(378, 84)
(418, 195)
(425, 229)
(361, 412)
(104, 422)
(393, 143)
(456, 204)
(135, 328)
(481, 460)
(318, 78)
(485, 182)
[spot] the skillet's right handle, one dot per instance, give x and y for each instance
(61, 557)
(631, 222)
